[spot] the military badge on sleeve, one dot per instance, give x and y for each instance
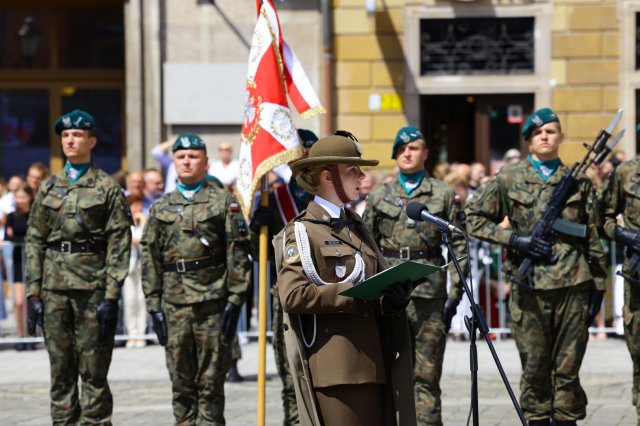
(291, 254)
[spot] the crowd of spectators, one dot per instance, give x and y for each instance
(142, 188)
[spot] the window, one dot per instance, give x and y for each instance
(477, 46)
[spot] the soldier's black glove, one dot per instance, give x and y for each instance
(594, 305)
(107, 315)
(629, 238)
(263, 216)
(36, 314)
(160, 326)
(536, 248)
(230, 318)
(399, 295)
(448, 312)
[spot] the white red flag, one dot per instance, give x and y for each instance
(269, 137)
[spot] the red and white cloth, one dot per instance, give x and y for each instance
(269, 137)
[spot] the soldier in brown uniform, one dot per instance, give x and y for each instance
(195, 275)
(360, 375)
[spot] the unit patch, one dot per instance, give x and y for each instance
(333, 242)
(291, 254)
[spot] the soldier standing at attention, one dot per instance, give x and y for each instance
(285, 203)
(195, 271)
(621, 196)
(550, 321)
(400, 238)
(78, 246)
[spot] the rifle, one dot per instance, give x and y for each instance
(634, 268)
(550, 220)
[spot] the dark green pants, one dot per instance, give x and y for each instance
(72, 337)
(550, 329)
(198, 361)
(427, 330)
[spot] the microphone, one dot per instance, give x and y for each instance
(419, 212)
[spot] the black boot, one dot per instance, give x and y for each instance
(564, 422)
(545, 422)
(233, 376)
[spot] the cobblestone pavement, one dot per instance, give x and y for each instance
(142, 393)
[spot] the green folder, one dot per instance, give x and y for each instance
(372, 288)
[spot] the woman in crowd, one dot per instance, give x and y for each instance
(15, 231)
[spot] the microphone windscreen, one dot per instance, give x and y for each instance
(414, 210)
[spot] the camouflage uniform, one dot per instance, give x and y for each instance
(549, 323)
(393, 231)
(72, 285)
(622, 196)
(197, 356)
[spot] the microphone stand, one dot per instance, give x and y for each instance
(473, 323)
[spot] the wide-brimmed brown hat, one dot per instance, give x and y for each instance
(334, 149)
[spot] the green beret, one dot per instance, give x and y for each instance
(76, 119)
(405, 135)
(307, 138)
(538, 119)
(188, 141)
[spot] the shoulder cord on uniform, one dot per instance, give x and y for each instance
(302, 240)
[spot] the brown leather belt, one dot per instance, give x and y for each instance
(183, 265)
(68, 247)
(407, 253)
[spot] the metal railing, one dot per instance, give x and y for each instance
(490, 287)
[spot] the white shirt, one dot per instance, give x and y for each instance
(166, 161)
(332, 209)
(228, 173)
(7, 205)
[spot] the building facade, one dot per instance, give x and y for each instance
(466, 72)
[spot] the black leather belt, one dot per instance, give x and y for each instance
(183, 265)
(68, 247)
(407, 253)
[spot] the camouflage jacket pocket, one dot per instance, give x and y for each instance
(167, 215)
(389, 217)
(632, 196)
(211, 226)
(52, 200)
(574, 207)
(522, 201)
(93, 209)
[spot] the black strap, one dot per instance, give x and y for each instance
(83, 226)
(184, 265)
(67, 247)
(410, 254)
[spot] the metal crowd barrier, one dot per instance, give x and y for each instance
(489, 285)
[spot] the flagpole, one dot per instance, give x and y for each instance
(262, 307)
